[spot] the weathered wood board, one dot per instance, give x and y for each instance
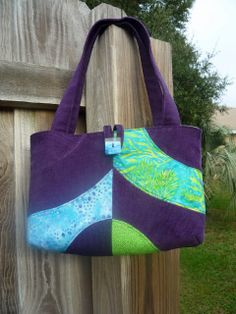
(42, 41)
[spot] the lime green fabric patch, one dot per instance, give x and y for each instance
(151, 170)
(127, 240)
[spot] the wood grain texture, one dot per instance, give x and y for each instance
(115, 93)
(42, 41)
(8, 282)
(25, 83)
(44, 33)
(47, 283)
(106, 271)
(47, 33)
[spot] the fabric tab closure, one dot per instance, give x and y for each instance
(113, 139)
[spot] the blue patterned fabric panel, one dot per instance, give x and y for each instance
(55, 228)
(150, 169)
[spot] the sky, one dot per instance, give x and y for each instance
(212, 27)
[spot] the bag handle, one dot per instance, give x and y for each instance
(163, 107)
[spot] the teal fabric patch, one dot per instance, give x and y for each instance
(147, 167)
(112, 145)
(55, 228)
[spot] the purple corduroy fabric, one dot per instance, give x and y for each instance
(168, 226)
(94, 240)
(163, 108)
(65, 165)
(183, 143)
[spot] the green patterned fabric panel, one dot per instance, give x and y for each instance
(151, 170)
(127, 240)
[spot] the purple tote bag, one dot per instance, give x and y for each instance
(118, 191)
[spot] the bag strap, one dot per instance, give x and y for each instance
(163, 107)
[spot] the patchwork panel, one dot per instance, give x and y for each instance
(147, 167)
(146, 202)
(167, 225)
(128, 240)
(55, 228)
(94, 240)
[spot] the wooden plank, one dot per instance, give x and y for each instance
(29, 105)
(34, 69)
(8, 282)
(47, 282)
(103, 11)
(25, 83)
(49, 34)
(106, 271)
(45, 33)
(137, 284)
(158, 273)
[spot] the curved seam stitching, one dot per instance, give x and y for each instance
(131, 227)
(156, 147)
(146, 135)
(89, 225)
(147, 192)
(63, 204)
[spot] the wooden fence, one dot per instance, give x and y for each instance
(40, 45)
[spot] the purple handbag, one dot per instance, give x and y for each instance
(118, 191)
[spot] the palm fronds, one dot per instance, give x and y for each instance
(220, 173)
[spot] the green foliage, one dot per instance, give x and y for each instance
(197, 86)
(220, 175)
(220, 201)
(214, 136)
(131, 7)
(208, 281)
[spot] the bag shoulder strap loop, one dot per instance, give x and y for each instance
(163, 107)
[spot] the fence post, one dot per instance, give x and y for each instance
(115, 93)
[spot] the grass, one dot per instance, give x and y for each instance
(208, 272)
